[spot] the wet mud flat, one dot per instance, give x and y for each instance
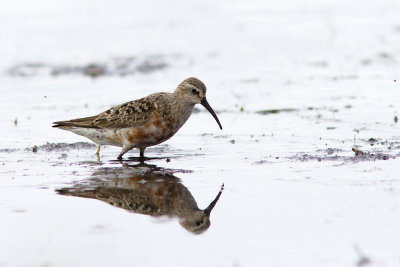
(304, 173)
(313, 176)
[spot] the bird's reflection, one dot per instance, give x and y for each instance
(146, 189)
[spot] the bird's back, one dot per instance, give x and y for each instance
(131, 114)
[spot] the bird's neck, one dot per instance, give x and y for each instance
(181, 109)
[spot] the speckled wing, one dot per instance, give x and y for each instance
(131, 114)
(138, 201)
(135, 113)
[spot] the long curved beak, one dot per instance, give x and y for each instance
(208, 210)
(209, 108)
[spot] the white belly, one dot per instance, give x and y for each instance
(99, 136)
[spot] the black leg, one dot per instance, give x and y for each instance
(142, 152)
(123, 151)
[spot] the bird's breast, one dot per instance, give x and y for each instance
(155, 131)
(162, 125)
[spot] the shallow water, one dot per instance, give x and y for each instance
(307, 94)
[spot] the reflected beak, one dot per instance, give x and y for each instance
(208, 107)
(208, 210)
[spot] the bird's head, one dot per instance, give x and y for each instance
(194, 91)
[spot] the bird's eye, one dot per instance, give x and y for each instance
(194, 91)
(198, 223)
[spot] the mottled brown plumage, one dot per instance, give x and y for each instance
(150, 193)
(144, 122)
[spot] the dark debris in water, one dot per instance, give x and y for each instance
(308, 157)
(275, 111)
(121, 66)
(332, 154)
(370, 156)
(7, 150)
(261, 162)
(50, 147)
(330, 151)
